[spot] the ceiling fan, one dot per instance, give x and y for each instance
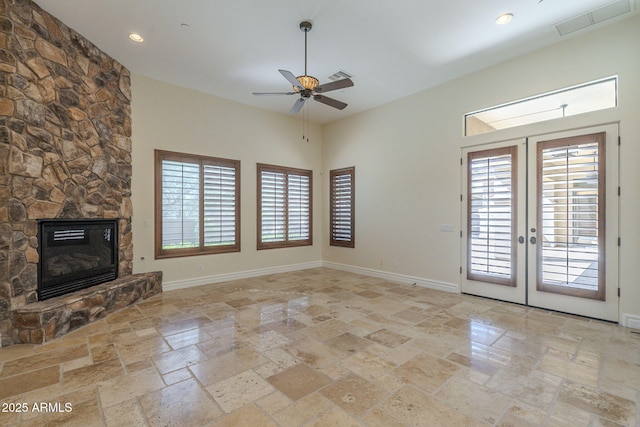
(308, 86)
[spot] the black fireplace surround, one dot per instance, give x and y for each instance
(75, 254)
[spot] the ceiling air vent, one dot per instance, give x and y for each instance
(596, 16)
(340, 75)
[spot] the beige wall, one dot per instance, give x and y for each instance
(407, 156)
(169, 117)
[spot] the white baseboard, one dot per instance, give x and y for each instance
(630, 321)
(227, 277)
(395, 277)
(392, 277)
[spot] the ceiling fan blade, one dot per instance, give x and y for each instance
(338, 84)
(292, 79)
(298, 105)
(330, 102)
(274, 93)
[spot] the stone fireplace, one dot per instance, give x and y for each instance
(65, 152)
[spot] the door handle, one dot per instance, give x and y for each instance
(533, 240)
(521, 239)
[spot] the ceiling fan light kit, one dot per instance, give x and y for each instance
(308, 86)
(309, 82)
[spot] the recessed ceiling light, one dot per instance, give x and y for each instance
(136, 37)
(505, 18)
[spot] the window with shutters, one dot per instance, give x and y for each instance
(197, 205)
(571, 196)
(491, 217)
(284, 207)
(342, 207)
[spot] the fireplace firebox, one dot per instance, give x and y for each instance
(75, 254)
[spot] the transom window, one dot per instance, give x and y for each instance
(569, 101)
(284, 207)
(197, 205)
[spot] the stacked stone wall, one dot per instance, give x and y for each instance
(65, 147)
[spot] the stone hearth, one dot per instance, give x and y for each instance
(65, 147)
(43, 321)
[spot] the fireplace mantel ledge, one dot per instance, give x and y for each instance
(42, 321)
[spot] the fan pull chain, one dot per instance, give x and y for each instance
(305, 118)
(305, 123)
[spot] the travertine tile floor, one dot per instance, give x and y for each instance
(326, 348)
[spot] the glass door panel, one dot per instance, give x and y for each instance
(571, 202)
(491, 206)
(572, 207)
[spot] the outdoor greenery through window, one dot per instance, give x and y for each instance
(284, 207)
(197, 205)
(342, 207)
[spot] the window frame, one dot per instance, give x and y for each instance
(287, 171)
(472, 274)
(599, 140)
(333, 174)
(160, 253)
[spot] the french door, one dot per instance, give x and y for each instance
(540, 221)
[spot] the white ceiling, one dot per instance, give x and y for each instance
(393, 49)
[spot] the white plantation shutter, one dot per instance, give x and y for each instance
(219, 205)
(299, 207)
(571, 227)
(491, 222)
(197, 205)
(273, 218)
(342, 207)
(180, 204)
(284, 207)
